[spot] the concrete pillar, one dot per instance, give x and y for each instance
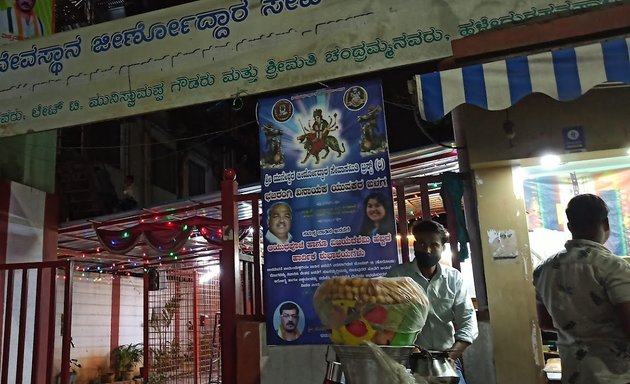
(511, 300)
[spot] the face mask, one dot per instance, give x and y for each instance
(426, 260)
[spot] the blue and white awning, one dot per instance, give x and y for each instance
(563, 74)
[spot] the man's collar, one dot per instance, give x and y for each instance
(437, 274)
(581, 242)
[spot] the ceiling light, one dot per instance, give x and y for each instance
(550, 161)
(210, 272)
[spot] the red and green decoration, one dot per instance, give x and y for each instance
(164, 236)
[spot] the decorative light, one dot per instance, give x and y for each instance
(550, 161)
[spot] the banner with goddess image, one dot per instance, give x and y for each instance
(327, 200)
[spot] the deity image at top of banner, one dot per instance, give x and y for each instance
(327, 200)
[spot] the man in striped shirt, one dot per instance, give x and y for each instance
(20, 22)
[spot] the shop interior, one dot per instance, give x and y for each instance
(547, 187)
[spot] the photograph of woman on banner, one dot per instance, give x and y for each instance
(288, 322)
(379, 215)
(279, 217)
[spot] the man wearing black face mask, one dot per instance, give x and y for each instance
(452, 323)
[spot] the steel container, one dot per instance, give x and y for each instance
(361, 367)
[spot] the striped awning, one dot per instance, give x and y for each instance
(563, 74)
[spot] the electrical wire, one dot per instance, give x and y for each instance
(419, 124)
(418, 120)
(210, 134)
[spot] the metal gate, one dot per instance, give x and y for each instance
(184, 343)
(30, 348)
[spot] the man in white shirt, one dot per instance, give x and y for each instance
(279, 217)
(452, 322)
(20, 22)
(583, 293)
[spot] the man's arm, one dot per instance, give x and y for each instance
(623, 312)
(617, 285)
(544, 318)
(465, 320)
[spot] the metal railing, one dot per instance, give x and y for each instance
(28, 347)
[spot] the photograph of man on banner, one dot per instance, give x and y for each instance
(279, 223)
(25, 19)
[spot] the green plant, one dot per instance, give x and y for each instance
(161, 320)
(127, 356)
(157, 378)
(164, 351)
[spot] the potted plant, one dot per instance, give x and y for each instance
(107, 377)
(127, 356)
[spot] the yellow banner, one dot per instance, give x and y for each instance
(212, 50)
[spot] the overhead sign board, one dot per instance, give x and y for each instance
(212, 50)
